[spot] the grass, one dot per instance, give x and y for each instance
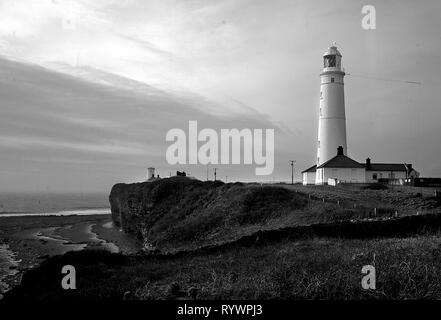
(180, 213)
(309, 269)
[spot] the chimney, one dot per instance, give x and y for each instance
(340, 151)
(368, 164)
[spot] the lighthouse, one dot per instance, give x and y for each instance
(332, 121)
(333, 166)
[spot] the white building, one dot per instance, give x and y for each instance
(341, 169)
(308, 175)
(332, 119)
(150, 173)
(377, 171)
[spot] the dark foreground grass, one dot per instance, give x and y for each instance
(408, 268)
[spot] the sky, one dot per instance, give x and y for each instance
(89, 89)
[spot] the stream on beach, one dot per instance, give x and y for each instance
(29, 246)
(38, 225)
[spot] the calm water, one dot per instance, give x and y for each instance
(53, 204)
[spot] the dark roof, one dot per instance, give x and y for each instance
(312, 169)
(386, 167)
(341, 161)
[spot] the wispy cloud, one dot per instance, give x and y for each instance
(29, 142)
(87, 126)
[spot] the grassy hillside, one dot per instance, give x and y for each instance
(180, 213)
(307, 269)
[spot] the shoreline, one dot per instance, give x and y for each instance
(32, 239)
(62, 213)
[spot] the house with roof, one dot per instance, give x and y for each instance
(308, 175)
(377, 171)
(342, 169)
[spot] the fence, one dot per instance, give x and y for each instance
(345, 209)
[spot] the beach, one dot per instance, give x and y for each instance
(26, 241)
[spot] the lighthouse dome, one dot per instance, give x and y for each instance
(332, 59)
(332, 51)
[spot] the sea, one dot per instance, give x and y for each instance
(44, 204)
(56, 204)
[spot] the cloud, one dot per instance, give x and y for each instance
(127, 71)
(30, 142)
(45, 115)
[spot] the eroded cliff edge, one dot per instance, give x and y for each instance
(182, 213)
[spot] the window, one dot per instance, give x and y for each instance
(321, 95)
(318, 160)
(318, 144)
(332, 79)
(330, 61)
(321, 112)
(374, 176)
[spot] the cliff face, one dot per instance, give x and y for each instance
(179, 212)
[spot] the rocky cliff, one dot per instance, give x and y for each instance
(180, 212)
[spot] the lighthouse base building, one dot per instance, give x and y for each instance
(342, 169)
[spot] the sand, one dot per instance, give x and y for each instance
(27, 241)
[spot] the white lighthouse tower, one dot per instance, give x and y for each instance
(333, 166)
(332, 121)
